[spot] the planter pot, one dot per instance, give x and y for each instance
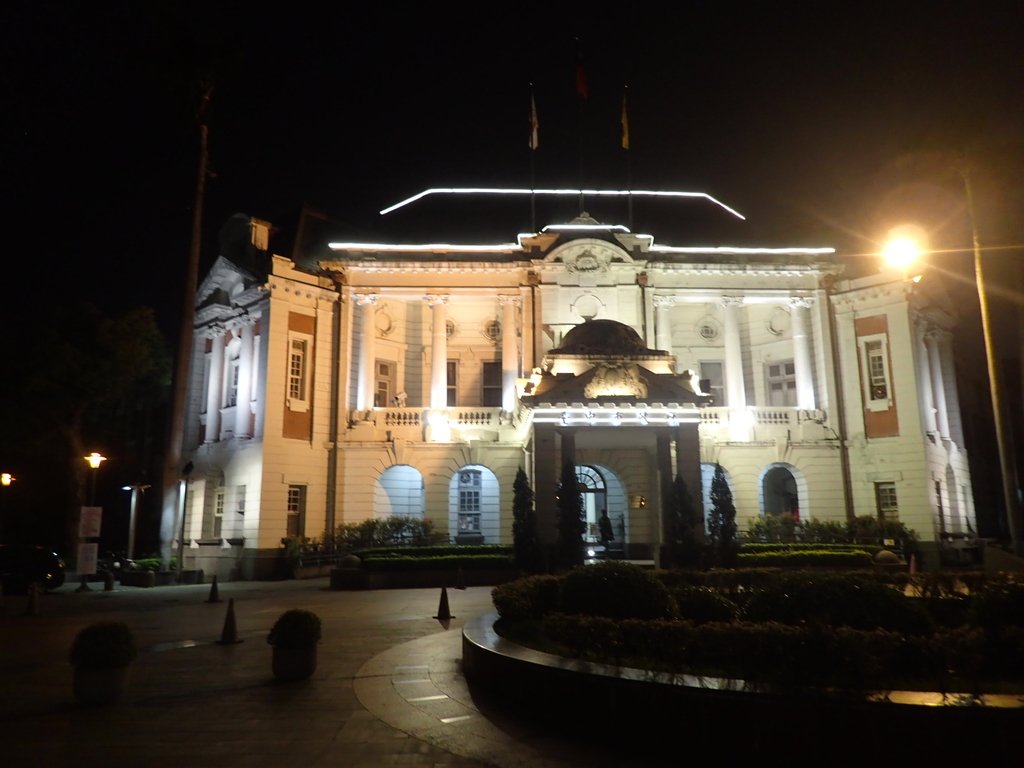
(99, 686)
(294, 663)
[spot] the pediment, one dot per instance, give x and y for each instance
(588, 256)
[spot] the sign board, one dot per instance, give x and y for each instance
(86, 563)
(89, 520)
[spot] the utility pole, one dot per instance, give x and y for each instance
(172, 474)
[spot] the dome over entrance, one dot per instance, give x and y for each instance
(602, 337)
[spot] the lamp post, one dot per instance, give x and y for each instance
(135, 489)
(6, 480)
(86, 525)
(904, 248)
(1006, 468)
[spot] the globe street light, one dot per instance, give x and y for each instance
(94, 460)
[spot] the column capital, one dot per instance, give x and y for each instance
(362, 299)
(505, 299)
(661, 301)
(433, 299)
(214, 331)
(936, 335)
(801, 302)
(730, 301)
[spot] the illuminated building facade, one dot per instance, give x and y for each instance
(416, 380)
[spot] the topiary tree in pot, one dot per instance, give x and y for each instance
(101, 654)
(294, 638)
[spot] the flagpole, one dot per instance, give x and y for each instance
(533, 144)
(625, 146)
(581, 91)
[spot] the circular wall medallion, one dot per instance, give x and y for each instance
(778, 321)
(708, 328)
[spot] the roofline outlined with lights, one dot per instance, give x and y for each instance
(557, 192)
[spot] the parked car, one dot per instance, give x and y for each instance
(24, 565)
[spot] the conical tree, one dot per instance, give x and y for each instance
(722, 520)
(525, 544)
(684, 521)
(571, 523)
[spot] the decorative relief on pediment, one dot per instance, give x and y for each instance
(588, 257)
(616, 379)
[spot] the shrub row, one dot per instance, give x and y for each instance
(861, 600)
(468, 562)
(820, 558)
(788, 656)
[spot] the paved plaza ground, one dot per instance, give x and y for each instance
(388, 690)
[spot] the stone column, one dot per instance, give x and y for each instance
(367, 355)
(799, 308)
(215, 386)
(510, 306)
(243, 409)
(924, 381)
(938, 385)
(662, 322)
(439, 355)
(734, 387)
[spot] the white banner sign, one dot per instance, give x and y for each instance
(89, 520)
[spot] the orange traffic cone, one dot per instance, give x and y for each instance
(444, 615)
(229, 635)
(214, 594)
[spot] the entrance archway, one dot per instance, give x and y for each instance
(398, 493)
(779, 495)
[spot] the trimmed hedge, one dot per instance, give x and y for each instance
(615, 589)
(450, 562)
(822, 558)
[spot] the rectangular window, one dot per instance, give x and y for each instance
(240, 500)
(469, 501)
(453, 382)
(875, 371)
(492, 384)
(298, 371)
(713, 382)
(218, 512)
(781, 383)
(231, 396)
(385, 384)
(296, 523)
(885, 499)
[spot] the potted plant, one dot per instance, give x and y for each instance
(101, 654)
(294, 638)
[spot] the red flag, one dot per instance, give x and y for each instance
(581, 74)
(534, 124)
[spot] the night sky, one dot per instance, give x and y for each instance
(823, 123)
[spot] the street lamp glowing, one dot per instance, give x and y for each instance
(901, 252)
(6, 478)
(95, 459)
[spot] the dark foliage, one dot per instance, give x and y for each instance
(571, 520)
(525, 543)
(722, 521)
(617, 590)
(686, 526)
